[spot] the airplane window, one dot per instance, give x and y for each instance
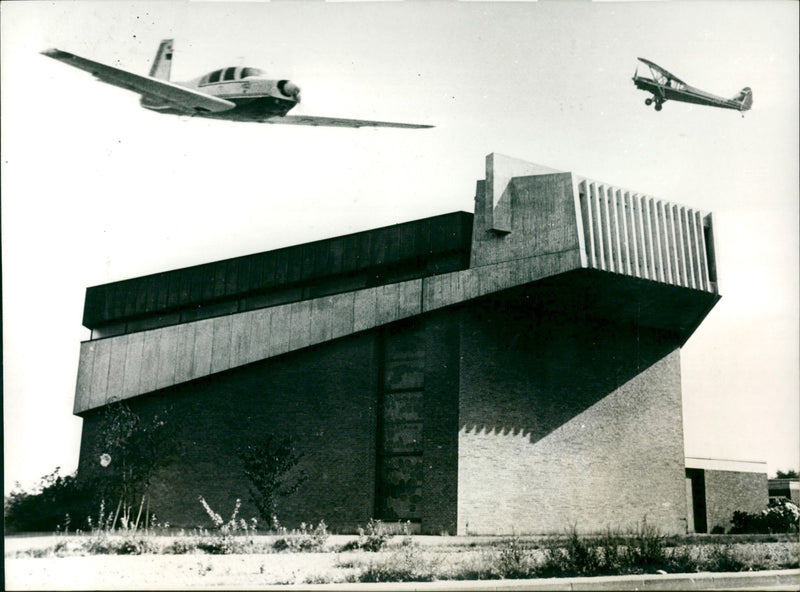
(214, 76)
(229, 73)
(251, 72)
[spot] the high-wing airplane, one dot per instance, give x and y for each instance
(665, 86)
(235, 93)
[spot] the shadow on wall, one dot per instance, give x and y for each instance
(531, 362)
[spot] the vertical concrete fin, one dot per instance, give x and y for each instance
(664, 242)
(622, 208)
(598, 227)
(588, 223)
(687, 246)
(613, 197)
(633, 240)
(702, 255)
(641, 241)
(708, 242)
(607, 238)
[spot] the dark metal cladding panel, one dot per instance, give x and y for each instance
(321, 261)
(115, 304)
(195, 286)
(281, 266)
(243, 274)
(231, 289)
(94, 305)
(174, 289)
(408, 243)
(363, 250)
(163, 291)
(441, 235)
(377, 247)
(229, 283)
(336, 256)
(208, 281)
(151, 294)
(423, 232)
(232, 278)
(135, 295)
(305, 271)
(350, 253)
(219, 279)
(262, 270)
(304, 266)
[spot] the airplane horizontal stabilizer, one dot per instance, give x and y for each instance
(179, 96)
(336, 122)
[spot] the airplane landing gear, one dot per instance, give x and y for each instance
(648, 102)
(658, 106)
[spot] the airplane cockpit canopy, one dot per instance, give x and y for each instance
(232, 73)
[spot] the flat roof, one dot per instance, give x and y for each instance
(726, 464)
(167, 291)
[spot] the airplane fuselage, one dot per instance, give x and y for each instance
(686, 94)
(255, 96)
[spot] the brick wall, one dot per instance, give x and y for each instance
(323, 397)
(729, 491)
(326, 399)
(565, 420)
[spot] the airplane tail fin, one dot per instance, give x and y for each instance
(745, 98)
(162, 64)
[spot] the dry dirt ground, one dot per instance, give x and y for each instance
(242, 571)
(165, 572)
(177, 572)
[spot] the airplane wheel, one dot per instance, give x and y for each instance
(658, 106)
(648, 102)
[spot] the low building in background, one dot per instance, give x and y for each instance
(716, 488)
(788, 488)
(512, 371)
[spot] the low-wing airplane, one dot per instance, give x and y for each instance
(235, 93)
(665, 86)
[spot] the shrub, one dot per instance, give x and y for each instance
(219, 545)
(639, 550)
(781, 516)
(404, 565)
(307, 539)
(181, 547)
(104, 545)
(648, 546)
(511, 561)
(223, 542)
(374, 538)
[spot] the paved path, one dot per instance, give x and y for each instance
(762, 580)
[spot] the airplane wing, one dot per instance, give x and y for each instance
(179, 96)
(335, 122)
(658, 68)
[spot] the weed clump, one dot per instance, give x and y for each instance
(308, 539)
(404, 565)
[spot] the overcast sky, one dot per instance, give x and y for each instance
(96, 189)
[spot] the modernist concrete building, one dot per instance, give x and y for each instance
(515, 370)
